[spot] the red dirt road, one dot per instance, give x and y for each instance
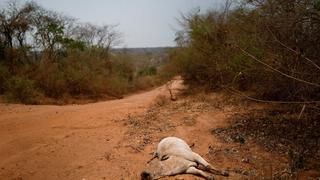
(91, 141)
(70, 142)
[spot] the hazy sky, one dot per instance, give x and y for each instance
(143, 23)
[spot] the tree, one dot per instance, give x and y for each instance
(103, 37)
(50, 31)
(15, 21)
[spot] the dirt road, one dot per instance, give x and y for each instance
(99, 141)
(70, 142)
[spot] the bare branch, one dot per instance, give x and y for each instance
(292, 50)
(266, 101)
(276, 70)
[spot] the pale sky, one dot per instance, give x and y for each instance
(143, 23)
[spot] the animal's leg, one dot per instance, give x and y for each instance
(197, 158)
(195, 171)
(175, 171)
(176, 165)
(155, 155)
(208, 167)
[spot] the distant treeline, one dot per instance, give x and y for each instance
(146, 50)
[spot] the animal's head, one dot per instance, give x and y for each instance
(153, 170)
(159, 168)
(146, 176)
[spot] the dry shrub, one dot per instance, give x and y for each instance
(215, 53)
(279, 130)
(4, 75)
(79, 74)
(116, 86)
(22, 90)
(77, 60)
(161, 100)
(144, 82)
(270, 50)
(50, 80)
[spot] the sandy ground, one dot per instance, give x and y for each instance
(101, 141)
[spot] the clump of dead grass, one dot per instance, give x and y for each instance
(161, 100)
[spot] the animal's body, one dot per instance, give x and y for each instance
(174, 156)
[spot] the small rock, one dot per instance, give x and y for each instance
(241, 171)
(245, 160)
(239, 138)
(234, 150)
(244, 172)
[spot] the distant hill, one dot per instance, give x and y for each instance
(147, 50)
(145, 57)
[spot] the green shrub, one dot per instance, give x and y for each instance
(122, 66)
(22, 90)
(4, 75)
(148, 71)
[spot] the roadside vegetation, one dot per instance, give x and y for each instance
(47, 57)
(265, 51)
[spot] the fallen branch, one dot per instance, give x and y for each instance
(169, 87)
(302, 110)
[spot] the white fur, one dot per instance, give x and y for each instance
(174, 156)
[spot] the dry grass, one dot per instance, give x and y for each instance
(278, 131)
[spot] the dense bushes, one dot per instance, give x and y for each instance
(268, 50)
(149, 71)
(4, 74)
(269, 47)
(80, 74)
(46, 57)
(21, 89)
